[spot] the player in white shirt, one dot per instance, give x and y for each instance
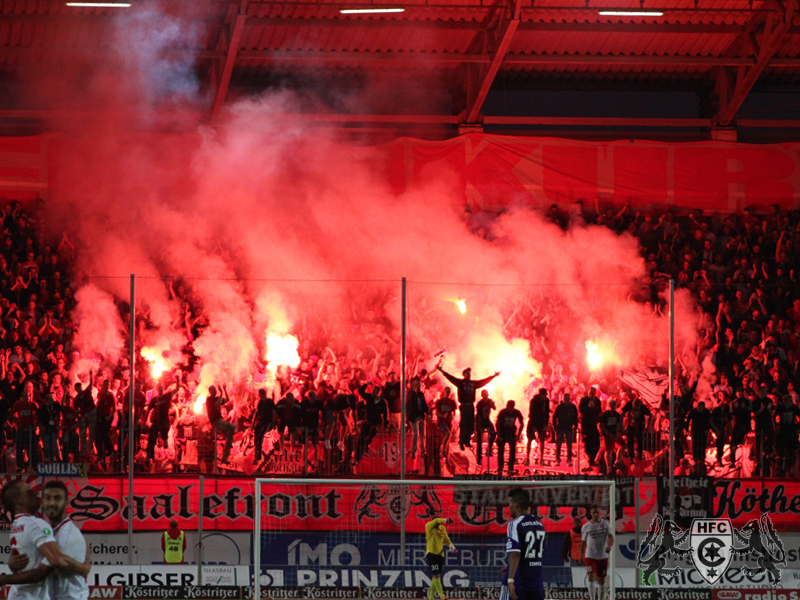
(65, 584)
(34, 545)
(597, 542)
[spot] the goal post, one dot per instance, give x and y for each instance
(336, 538)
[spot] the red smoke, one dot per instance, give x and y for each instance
(238, 208)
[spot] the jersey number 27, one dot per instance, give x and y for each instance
(534, 542)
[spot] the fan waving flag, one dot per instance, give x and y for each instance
(649, 382)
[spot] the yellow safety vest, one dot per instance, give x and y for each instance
(173, 549)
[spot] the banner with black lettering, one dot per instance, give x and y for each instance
(195, 592)
(109, 592)
(694, 498)
(741, 500)
(755, 594)
(101, 504)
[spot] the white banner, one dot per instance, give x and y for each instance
(226, 548)
(170, 576)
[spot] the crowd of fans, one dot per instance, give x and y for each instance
(736, 405)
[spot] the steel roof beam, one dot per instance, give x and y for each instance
(82, 19)
(364, 23)
(371, 23)
(315, 57)
(66, 115)
(481, 44)
(501, 44)
(234, 41)
(510, 59)
(532, 26)
(763, 48)
(405, 23)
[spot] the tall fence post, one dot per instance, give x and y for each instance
(131, 429)
(672, 399)
(256, 544)
(200, 535)
(636, 483)
(403, 383)
(612, 521)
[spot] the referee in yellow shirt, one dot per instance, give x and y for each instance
(437, 538)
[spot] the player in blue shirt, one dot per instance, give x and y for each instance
(524, 546)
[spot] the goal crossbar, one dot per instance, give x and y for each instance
(410, 483)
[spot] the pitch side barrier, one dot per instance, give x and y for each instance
(133, 592)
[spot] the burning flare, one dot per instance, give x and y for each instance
(282, 350)
(517, 367)
(155, 357)
(593, 356)
(462, 306)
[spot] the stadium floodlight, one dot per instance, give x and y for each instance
(631, 13)
(372, 10)
(347, 536)
(100, 4)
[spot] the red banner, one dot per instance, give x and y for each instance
(496, 172)
(101, 504)
(228, 504)
(23, 167)
(744, 499)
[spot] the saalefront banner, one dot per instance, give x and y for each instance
(101, 504)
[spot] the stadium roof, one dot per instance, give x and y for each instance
(445, 66)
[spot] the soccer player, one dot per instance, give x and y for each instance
(437, 538)
(33, 538)
(524, 546)
(597, 543)
(67, 585)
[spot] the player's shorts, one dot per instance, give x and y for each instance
(598, 566)
(531, 595)
(435, 562)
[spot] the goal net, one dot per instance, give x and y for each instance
(325, 538)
